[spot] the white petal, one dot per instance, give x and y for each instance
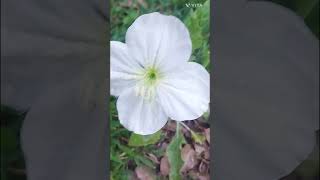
(159, 39)
(123, 69)
(185, 93)
(140, 115)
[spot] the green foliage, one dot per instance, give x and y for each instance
(11, 154)
(312, 19)
(8, 140)
(128, 149)
(307, 9)
(198, 24)
(140, 140)
(174, 155)
(8, 145)
(123, 13)
(197, 137)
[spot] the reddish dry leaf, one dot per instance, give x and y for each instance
(132, 176)
(207, 134)
(188, 155)
(204, 177)
(203, 168)
(207, 154)
(171, 126)
(164, 166)
(142, 3)
(164, 145)
(145, 173)
(196, 175)
(199, 149)
(193, 174)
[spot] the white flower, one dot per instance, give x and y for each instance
(152, 77)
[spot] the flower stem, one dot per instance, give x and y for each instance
(177, 128)
(185, 126)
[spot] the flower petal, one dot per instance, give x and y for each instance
(159, 39)
(123, 69)
(184, 94)
(140, 115)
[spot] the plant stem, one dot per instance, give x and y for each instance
(177, 128)
(185, 126)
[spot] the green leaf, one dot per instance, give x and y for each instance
(304, 7)
(308, 9)
(174, 155)
(145, 161)
(198, 137)
(312, 20)
(198, 24)
(140, 140)
(206, 115)
(132, 15)
(8, 140)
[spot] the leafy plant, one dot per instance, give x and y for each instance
(198, 24)
(174, 155)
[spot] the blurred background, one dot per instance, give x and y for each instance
(124, 158)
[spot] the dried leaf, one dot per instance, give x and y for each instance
(207, 134)
(204, 177)
(171, 126)
(145, 173)
(203, 168)
(189, 157)
(207, 154)
(199, 149)
(143, 3)
(164, 166)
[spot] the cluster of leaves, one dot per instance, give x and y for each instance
(198, 23)
(129, 150)
(172, 152)
(12, 161)
(124, 12)
(196, 18)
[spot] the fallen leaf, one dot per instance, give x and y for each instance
(204, 177)
(199, 149)
(145, 173)
(143, 3)
(164, 166)
(164, 145)
(207, 134)
(193, 174)
(188, 155)
(132, 175)
(203, 168)
(207, 154)
(171, 126)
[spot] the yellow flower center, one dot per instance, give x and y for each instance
(147, 87)
(151, 76)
